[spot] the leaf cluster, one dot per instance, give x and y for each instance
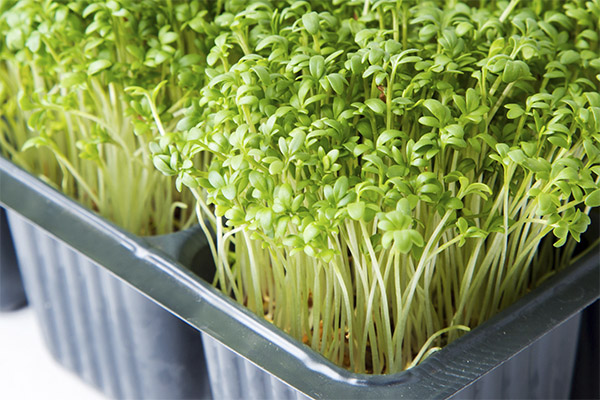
(68, 65)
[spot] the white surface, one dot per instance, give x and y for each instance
(27, 370)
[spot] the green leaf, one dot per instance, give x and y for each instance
(247, 100)
(15, 39)
(315, 98)
(436, 108)
(337, 82)
(593, 199)
(167, 37)
(514, 70)
(310, 232)
(259, 181)
(35, 142)
(430, 121)
(340, 188)
(33, 42)
(514, 111)
(270, 40)
(416, 238)
(229, 191)
(388, 135)
(265, 218)
(403, 240)
(376, 105)
(463, 28)
(90, 9)
(559, 140)
(215, 179)
(186, 123)
(311, 22)
(193, 134)
(356, 210)
(569, 57)
(298, 138)
(546, 204)
(189, 181)
(387, 239)
(263, 74)
(317, 66)
(97, 66)
(454, 204)
(276, 167)
(162, 165)
(517, 156)
(462, 225)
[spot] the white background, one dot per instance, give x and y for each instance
(27, 370)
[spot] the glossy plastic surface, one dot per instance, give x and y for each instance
(103, 330)
(543, 370)
(12, 293)
(195, 301)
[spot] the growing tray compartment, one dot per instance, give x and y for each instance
(543, 370)
(108, 333)
(97, 326)
(275, 357)
(12, 293)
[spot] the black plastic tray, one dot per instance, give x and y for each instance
(186, 295)
(12, 294)
(103, 330)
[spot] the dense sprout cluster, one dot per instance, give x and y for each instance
(64, 72)
(386, 170)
